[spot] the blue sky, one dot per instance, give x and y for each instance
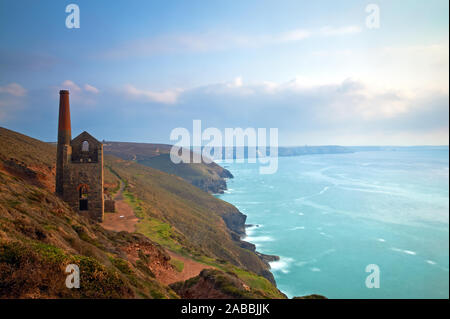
(138, 69)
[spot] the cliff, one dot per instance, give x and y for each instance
(209, 177)
(178, 226)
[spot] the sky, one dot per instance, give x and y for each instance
(315, 70)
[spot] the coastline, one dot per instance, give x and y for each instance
(264, 257)
(236, 223)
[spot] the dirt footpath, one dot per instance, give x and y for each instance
(123, 219)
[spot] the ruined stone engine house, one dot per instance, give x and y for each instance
(79, 167)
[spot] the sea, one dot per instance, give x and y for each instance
(368, 224)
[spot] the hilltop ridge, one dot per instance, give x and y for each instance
(209, 177)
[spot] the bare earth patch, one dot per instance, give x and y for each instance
(124, 218)
(191, 269)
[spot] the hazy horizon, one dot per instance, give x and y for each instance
(305, 145)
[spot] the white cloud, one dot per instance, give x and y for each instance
(236, 83)
(345, 112)
(90, 88)
(75, 88)
(294, 35)
(85, 95)
(337, 31)
(409, 68)
(165, 97)
(416, 67)
(71, 86)
(13, 89)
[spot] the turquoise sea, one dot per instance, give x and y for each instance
(329, 216)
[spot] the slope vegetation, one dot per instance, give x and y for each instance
(178, 226)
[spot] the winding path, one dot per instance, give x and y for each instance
(124, 218)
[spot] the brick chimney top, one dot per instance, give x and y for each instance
(64, 130)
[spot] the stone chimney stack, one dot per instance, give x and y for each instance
(64, 138)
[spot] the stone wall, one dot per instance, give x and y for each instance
(110, 206)
(84, 169)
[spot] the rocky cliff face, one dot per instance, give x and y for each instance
(235, 222)
(210, 185)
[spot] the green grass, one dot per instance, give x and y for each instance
(134, 202)
(153, 228)
(159, 232)
(254, 281)
(257, 282)
(50, 252)
(122, 265)
(178, 264)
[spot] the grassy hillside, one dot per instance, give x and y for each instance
(184, 218)
(40, 235)
(209, 177)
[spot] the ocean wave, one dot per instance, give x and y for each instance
(259, 239)
(250, 230)
(298, 227)
(405, 251)
(433, 263)
(281, 265)
(325, 234)
(315, 269)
